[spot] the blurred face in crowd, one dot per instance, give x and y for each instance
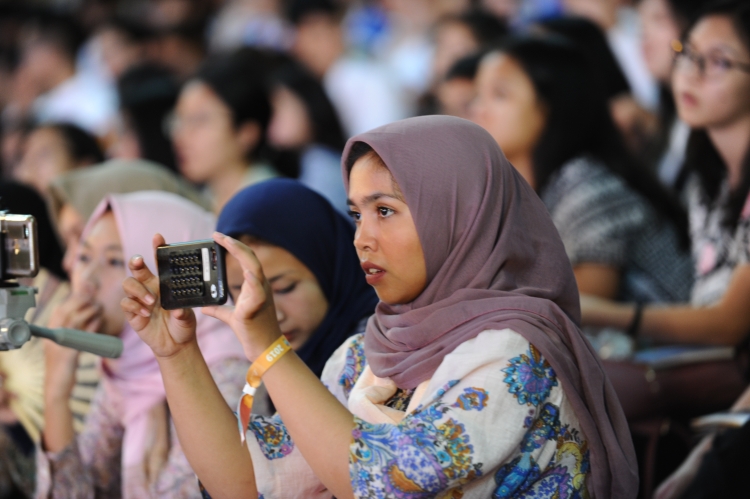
(117, 51)
(507, 106)
(45, 157)
(290, 126)
(719, 95)
(98, 273)
(455, 97)
(300, 302)
(453, 41)
(70, 225)
(318, 42)
(386, 238)
(206, 141)
(659, 28)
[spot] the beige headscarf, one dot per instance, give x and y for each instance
(84, 188)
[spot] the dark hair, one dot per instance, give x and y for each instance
(578, 122)
(327, 129)
(486, 28)
(687, 11)
(240, 80)
(701, 156)
(466, 67)
(592, 41)
(148, 93)
(357, 151)
(58, 31)
(297, 10)
(82, 147)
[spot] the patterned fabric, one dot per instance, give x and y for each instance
(492, 422)
(716, 250)
(602, 220)
(90, 466)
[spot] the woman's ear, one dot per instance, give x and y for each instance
(249, 136)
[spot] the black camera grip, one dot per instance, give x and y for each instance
(98, 344)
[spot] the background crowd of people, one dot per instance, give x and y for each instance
(630, 119)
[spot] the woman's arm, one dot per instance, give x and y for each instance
(206, 426)
(208, 431)
(597, 280)
(725, 323)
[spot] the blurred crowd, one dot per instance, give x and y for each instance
(629, 118)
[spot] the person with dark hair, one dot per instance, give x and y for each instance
(663, 22)
(53, 149)
(220, 123)
(305, 121)
(319, 44)
(148, 93)
(182, 48)
(711, 82)
(538, 98)
(457, 91)
(48, 63)
(460, 35)
(122, 43)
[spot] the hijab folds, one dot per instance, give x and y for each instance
(494, 261)
(287, 214)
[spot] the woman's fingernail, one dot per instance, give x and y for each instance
(150, 299)
(137, 258)
(145, 313)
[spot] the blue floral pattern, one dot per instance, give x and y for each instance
(272, 436)
(416, 459)
(473, 399)
(563, 478)
(530, 377)
(355, 364)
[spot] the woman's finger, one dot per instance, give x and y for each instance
(138, 291)
(243, 254)
(221, 312)
(140, 271)
(133, 306)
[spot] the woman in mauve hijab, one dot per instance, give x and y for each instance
(472, 379)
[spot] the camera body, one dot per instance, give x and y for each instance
(192, 274)
(19, 251)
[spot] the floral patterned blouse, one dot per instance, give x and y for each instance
(89, 468)
(492, 422)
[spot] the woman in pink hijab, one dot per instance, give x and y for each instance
(472, 379)
(126, 448)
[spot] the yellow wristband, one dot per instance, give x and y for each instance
(257, 369)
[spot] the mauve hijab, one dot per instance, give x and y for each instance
(494, 261)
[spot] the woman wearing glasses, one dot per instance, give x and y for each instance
(711, 84)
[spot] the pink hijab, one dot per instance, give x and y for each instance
(494, 261)
(134, 380)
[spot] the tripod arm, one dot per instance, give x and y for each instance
(98, 344)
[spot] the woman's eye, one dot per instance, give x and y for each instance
(116, 262)
(354, 215)
(385, 212)
(83, 258)
(287, 289)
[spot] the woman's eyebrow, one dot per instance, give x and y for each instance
(277, 277)
(374, 197)
(113, 247)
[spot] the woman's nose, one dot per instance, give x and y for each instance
(70, 257)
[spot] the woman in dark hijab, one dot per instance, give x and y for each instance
(472, 379)
(281, 218)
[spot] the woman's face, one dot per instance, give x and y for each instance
(290, 126)
(507, 105)
(205, 139)
(45, 157)
(659, 29)
(70, 227)
(99, 270)
(386, 238)
(300, 302)
(720, 96)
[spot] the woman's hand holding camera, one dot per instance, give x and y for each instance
(167, 332)
(253, 317)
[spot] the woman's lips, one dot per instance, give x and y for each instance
(373, 273)
(688, 99)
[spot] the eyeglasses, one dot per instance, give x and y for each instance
(711, 66)
(173, 123)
